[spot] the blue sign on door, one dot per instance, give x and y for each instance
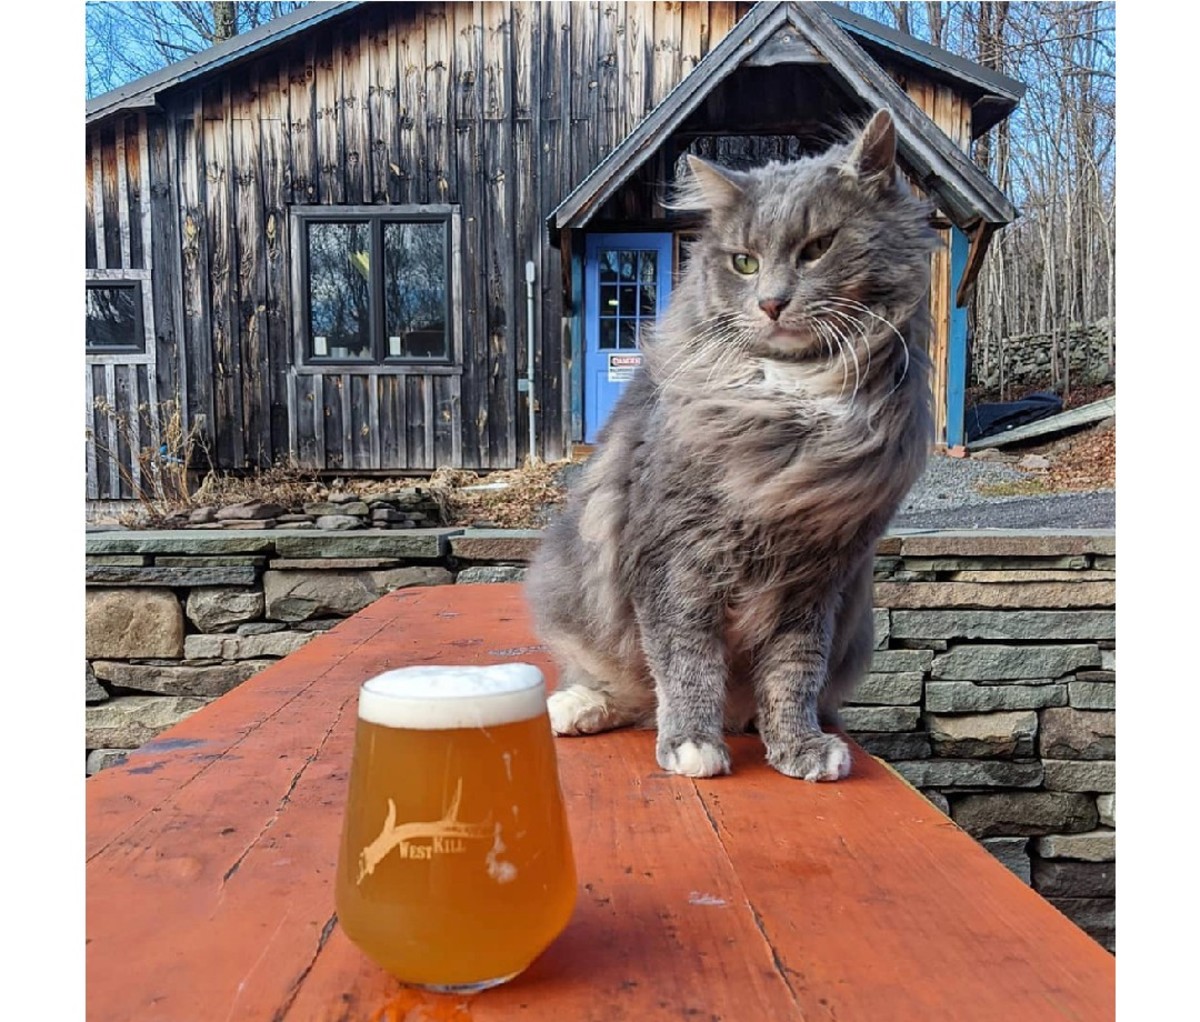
(628, 282)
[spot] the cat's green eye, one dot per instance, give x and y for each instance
(817, 247)
(744, 263)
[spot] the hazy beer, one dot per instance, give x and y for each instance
(456, 868)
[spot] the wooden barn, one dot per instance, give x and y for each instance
(365, 236)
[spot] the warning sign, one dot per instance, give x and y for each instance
(622, 367)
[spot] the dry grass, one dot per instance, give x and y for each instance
(523, 502)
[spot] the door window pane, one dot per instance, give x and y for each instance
(114, 317)
(608, 333)
(339, 273)
(414, 289)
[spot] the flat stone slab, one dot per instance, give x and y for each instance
(109, 575)
(1092, 846)
(207, 561)
(1064, 878)
(301, 595)
(894, 745)
(901, 660)
(244, 647)
(1013, 663)
(883, 626)
(1007, 542)
(1013, 625)
(418, 544)
(333, 563)
(984, 735)
(481, 573)
(1092, 695)
(179, 541)
(1070, 733)
(900, 689)
(970, 773)
(1020, 813)
(880, 718)
(496, 544)
(100, 759)
(1095, 775)
(219, 609)
(179, 680)
(994, 595)
(130, 721)
(967, 697)
(992, 576)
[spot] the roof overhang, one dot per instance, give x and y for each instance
(802, 32)
(144, 92)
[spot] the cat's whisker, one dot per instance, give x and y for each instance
(854, 324)
(860, 307)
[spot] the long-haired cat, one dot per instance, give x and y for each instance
(713, 566)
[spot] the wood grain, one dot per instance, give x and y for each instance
(211, 854)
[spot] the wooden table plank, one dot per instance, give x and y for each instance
(211, 857)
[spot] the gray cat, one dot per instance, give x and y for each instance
(713, 566)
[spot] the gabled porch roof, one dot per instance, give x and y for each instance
(788, 32)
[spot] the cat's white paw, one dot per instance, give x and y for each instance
(692, 759)
(813, 758)
(579, 711)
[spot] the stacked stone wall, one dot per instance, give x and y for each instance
(1027, 360)
(992, 688)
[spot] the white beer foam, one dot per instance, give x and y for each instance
(437, 698)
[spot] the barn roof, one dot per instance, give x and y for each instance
(994, 95)
(783, 31)
(144, 92)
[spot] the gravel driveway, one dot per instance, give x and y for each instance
(945, 497)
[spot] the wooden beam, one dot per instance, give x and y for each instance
(1073, 418)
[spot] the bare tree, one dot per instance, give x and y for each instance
(128, 40)
(1052, 272)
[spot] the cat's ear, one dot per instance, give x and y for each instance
(873, 154)
(710, 186)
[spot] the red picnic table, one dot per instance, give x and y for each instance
(212, 852)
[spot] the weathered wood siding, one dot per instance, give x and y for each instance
(952, 113)
(122, 389)
(499, 109)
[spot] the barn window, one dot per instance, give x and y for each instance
(376, 285)
(114, 317)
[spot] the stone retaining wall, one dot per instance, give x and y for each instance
(1027, 360)
(992, 689)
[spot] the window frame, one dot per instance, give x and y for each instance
(375, 217)
(122, 280)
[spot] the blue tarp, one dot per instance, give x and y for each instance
(991, 419)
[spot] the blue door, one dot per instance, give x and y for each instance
(628, 282)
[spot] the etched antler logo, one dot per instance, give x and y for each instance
(445, 837)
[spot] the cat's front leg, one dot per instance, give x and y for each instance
(684, 649)
(790, 673)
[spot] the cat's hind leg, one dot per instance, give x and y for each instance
(595, 695)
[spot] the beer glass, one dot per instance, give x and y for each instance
(455, 869)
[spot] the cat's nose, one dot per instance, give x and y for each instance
(773, 306)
